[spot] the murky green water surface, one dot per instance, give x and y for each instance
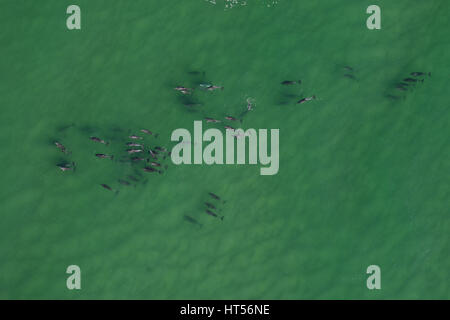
(363, 176)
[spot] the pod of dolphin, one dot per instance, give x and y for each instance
(409, 83)
(212, 208)
(150, 159)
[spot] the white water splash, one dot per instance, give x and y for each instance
(229, 4)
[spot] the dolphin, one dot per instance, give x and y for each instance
(416, 74)
(61, 147)
(67, 167)
(106, 187)
(290, 82)
(149, 132)
(99, 140)
(134, 150)
(214, 196)
(153, 154)
(183, 90)
(411, 80)
(124, 182)
(211, 120)
(104, 156)
(213, 214)
(192, 220)
(132, 144)
(209, 205)
(306, 99)
(231, 118)
(210, 87)
(155, 164)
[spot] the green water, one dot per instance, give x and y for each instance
(363, 179)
